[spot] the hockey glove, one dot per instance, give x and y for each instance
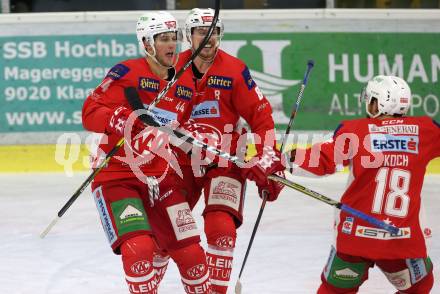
(118, 122)
(268, 163)
(272, 188)
(143, 138)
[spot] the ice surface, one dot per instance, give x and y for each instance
(289, 251)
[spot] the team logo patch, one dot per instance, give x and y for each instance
(206, 109)
(249, 81)
(148, 84)
(141, 267)
(182, 221)
(374, 233)
(129, 215)
(225, 242)
(225, 191)
(427, 233)
(117, 71)
(197, 271)
(347, 225)
(220, 82)
(346, 274)
(207, 18)
(170, 24)
(104, 216)
(391, 143)
(400, 280)
(184, 92)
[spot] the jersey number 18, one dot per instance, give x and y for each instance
(397, 199)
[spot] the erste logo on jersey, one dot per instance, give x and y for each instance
(249, 81)
(184, 92)
(391, 143)
(220, 82)
(148, 84)
(117, 71)
(206, 109)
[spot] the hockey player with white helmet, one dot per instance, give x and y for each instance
(145, 207)
(198, 22)
(159, 30)
(387, 90)
(387, 154)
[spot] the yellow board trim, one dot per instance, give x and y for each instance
(46, 158)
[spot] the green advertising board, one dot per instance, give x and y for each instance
(45, 79)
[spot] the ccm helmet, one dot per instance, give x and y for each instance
(201, 17)
(152, 23)
(392, 93)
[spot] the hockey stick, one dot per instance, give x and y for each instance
(121, 142)
(136, 103)
(359, 214)
(310, 64)
(295, 108)
(82, 187)
(132, 96)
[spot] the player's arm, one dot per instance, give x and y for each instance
(323, 158)
(253, 106)
(101, 104)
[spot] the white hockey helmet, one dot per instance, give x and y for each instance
(392, 93)
(201, 17)
(151, 24)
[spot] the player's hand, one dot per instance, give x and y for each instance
(269, 162)
(118, 122)
(272, 188)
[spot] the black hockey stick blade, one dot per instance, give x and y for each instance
(132, 96)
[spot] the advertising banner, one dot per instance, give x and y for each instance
(45, 79)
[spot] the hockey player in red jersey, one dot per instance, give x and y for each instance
(138, 194)
(387, 154)
(224, 92)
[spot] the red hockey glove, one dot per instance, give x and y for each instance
(268, 163)
(272, 188)
(143, 138)
(118, 122)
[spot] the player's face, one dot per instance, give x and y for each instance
(210, 48)
(373, 107)
(166, 48)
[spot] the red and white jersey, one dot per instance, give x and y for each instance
(225, 93)
(109, 95)
(387, 160)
